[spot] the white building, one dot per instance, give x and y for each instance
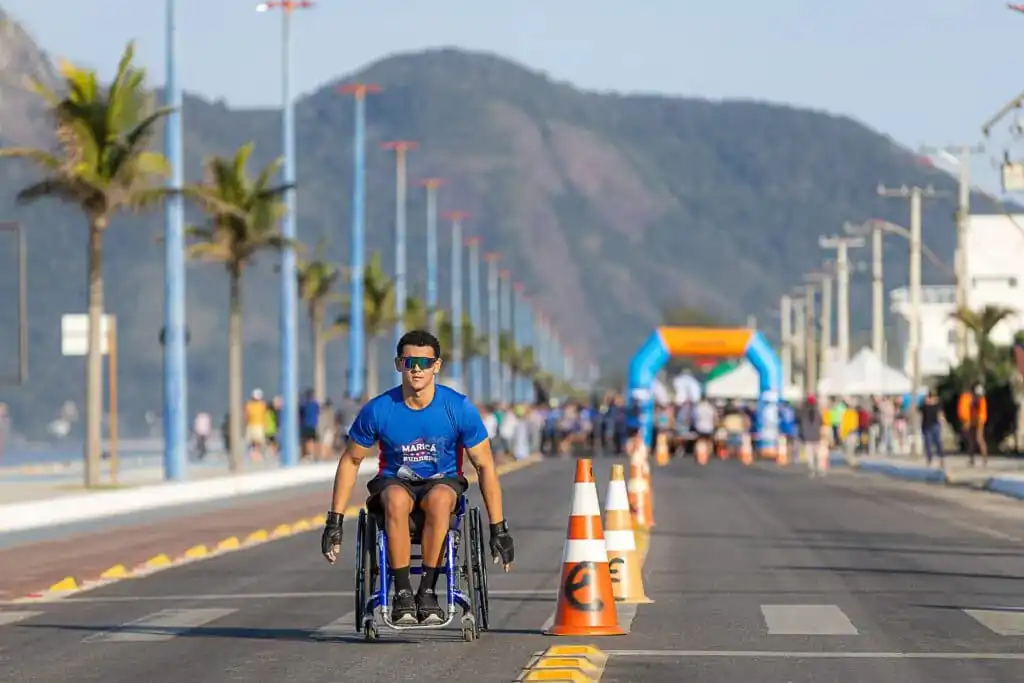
(995, 271)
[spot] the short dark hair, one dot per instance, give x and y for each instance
(419, 338)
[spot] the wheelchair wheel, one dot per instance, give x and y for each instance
(365, 569)
(360, 571)
(478, 569)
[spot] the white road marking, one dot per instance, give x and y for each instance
(779, 654)
(1003, 622)
(162, 625)
(343, 626)
(8, 618)
(807, 620)
(216, 597)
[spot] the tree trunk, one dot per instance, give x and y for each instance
(316, 321)
(94, 362)
(372, 368)
(235, 400)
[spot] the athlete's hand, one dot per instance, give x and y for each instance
(502, 546)
(330, 541)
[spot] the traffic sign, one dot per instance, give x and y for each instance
(74, 334)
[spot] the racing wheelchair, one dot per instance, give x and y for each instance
(464, 568)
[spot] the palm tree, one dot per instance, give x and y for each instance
(103, 164)
(417, 316)
(474, 345)
(378, 316)
(243, 219)
(981, 323)
(317, 278)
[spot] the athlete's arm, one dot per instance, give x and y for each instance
(487, 475)
(345, 476)
(361, 438)
(473, 435)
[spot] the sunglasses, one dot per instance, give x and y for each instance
(414, 362)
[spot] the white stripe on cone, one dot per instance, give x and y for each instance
(584, 500)
(587, 550)
(618, 496)
(619, 540)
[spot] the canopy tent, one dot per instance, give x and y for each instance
(742, 383)
(865, 375)
(723, 368)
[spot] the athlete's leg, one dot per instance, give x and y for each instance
(397, 504)
(437, 504)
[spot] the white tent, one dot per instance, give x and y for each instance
(865, 375)
(742, 383)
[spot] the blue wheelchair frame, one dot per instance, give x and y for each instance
(463, 559)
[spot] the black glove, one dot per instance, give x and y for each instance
(330, 541)
(502, 546)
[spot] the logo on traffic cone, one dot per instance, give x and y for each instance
(623, 559)
(586, 601)
(638, 492)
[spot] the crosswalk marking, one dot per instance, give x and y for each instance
(1005, 622)
(807, 620)
(343, 626)
(162, 625)
(7, 618)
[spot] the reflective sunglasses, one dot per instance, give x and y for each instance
(421, 362)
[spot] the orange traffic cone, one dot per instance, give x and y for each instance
(586, 601)
(650, 498)
(623, 558)
(638, 491)
(783, 458)
(661, 455)
(700, 451)
(746, 451)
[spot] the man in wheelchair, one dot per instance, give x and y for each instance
(422, 431)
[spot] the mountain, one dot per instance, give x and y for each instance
(609, 207)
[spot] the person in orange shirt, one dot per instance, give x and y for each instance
(972, 409)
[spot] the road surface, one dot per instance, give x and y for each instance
(757, 575)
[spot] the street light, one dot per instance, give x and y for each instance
(289, 439)
(175, 387)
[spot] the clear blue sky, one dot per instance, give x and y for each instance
(919, 70)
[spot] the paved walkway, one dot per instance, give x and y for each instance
(18, 486)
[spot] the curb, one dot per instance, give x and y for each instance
(907, 472)
(1014, 488)
(70, 585)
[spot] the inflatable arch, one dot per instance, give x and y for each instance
(666, 342)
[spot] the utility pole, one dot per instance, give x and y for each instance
(810, 359)
(824, 347)
(842, 246)
(915, 194)
(786, 333)
(877, 282)
(799, 338)
(961, 156)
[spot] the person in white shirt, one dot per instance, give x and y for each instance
(201, 427)
(704, 421)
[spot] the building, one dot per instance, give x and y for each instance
(995, 272)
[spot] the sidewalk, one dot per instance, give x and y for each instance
(16, 486)
(1002, 474)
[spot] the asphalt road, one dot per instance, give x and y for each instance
(757, 574)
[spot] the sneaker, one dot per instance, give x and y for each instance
(429, 609)
(403, 608)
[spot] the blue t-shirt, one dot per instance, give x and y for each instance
(309, 414)
(419, 444)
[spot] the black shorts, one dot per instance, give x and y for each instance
(417, 488)
(308, 434)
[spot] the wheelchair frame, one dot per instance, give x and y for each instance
(464, 565)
